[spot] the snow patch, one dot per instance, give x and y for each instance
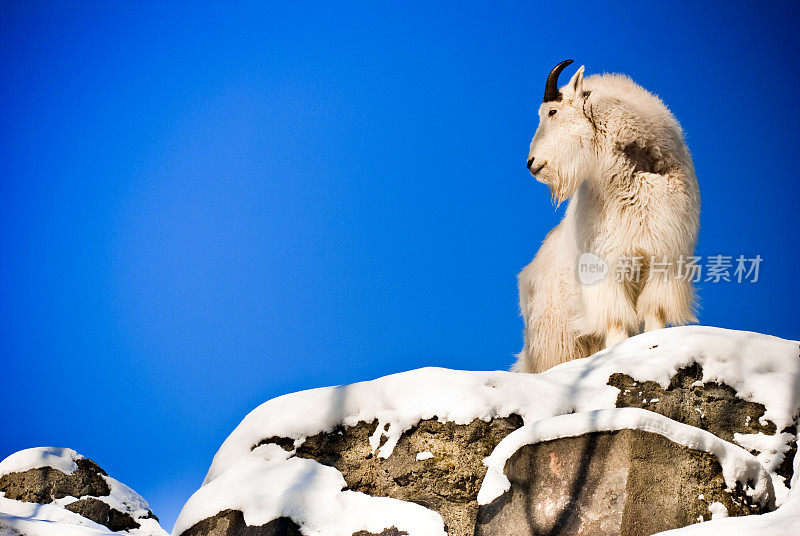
(785, 521)
(427, 455)
(27, 526)
(718, 510)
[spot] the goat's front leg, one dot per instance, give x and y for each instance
(666, 300)
(609, 311)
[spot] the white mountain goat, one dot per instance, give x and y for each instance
(618, 154)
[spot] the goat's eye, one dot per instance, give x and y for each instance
(552, 112)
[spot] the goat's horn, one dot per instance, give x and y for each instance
(551, 92)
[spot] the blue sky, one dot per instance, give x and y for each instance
(206, 206)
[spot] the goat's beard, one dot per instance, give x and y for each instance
(564, 175)
(561, 188)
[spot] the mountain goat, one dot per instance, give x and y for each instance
(618, 154)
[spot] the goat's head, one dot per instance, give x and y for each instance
(563, 152)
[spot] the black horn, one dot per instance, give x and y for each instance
(551, 92)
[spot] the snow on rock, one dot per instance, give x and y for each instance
(311, 494)
(761, 368)
(573, 398)
(33, 519)
(718, 510)
(772, 448)
(60, 459)
(48, 491)
(124, 499)
(398, 402)
(738, 465)
(785, 521)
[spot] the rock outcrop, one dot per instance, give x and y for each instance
(666, 430)
(52, 487)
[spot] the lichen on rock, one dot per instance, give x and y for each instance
(447, 483)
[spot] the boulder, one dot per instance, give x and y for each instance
(105, 515)
(47, 485)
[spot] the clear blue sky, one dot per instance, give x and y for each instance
(204, 207)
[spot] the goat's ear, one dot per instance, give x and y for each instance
(576, 82)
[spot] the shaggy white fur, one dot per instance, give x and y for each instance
(618, 154)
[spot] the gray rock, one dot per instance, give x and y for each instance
(626, 483)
